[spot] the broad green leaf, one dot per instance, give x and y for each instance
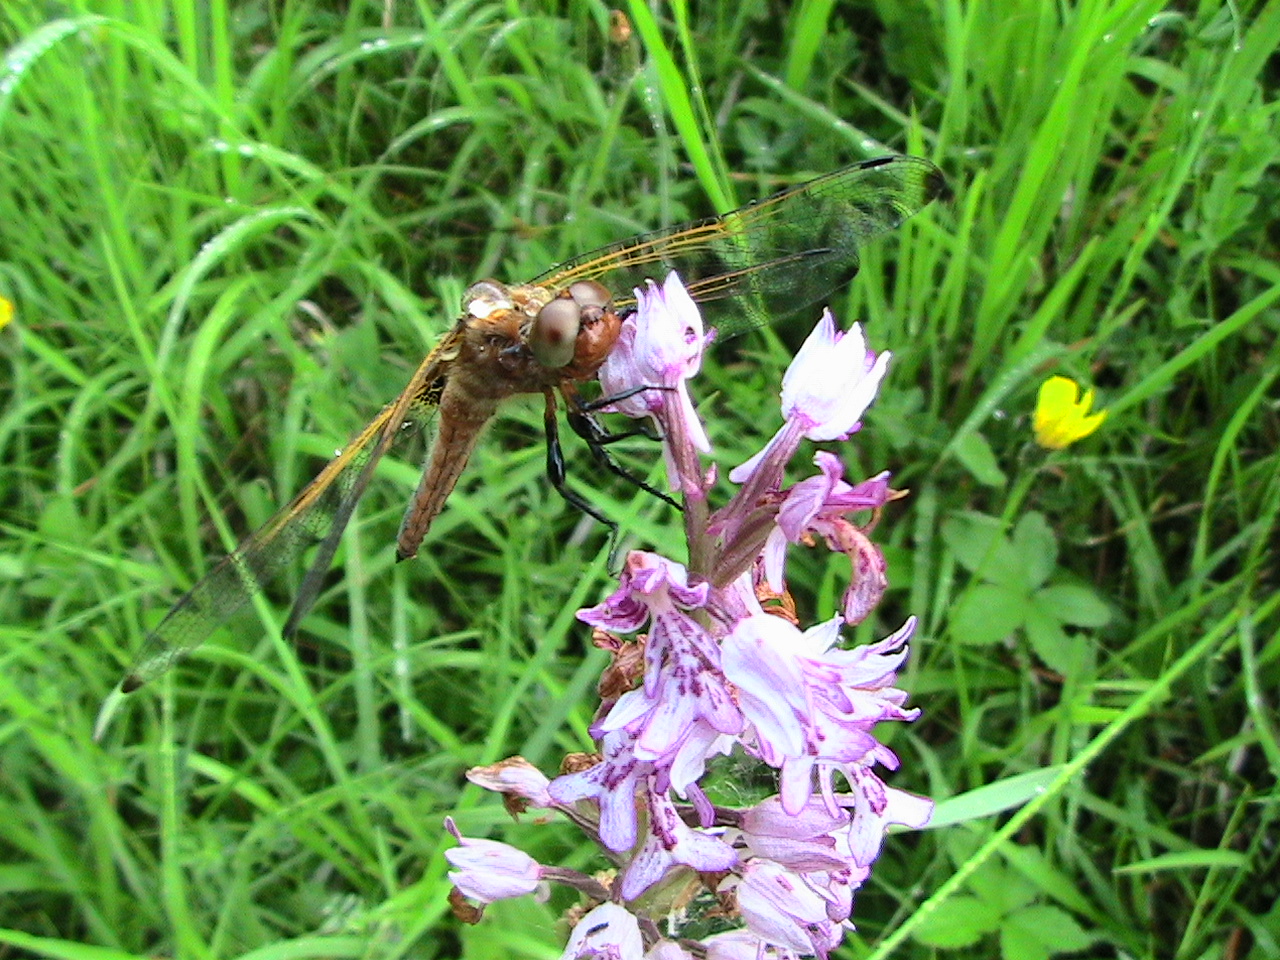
(1056, 929)
(1049, 876)
(975, 454)
(1075, 604)
(988, 614)
(999, 886)
(958, 922)
(971, 536)
(1019, 943)
(1051, 644)
(980, 544)
(1036, 547)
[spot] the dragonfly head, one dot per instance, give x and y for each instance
(553, 335)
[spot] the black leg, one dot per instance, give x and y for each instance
(599, 403)
(586, 426)
(556, 474)
(598, 435)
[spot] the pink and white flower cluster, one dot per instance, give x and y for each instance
(711, 671)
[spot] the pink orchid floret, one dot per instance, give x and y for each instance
(682, 727)
(736, 945)
(612, 784)
(668, 950)
(676, 717)
(671, 843)
(811, 705)
(784, 910)
(818, 505)
(825, 392)
(660, 345)
(515, 777)
(827, 495)
(488, 870)
(650, 585)
(683, 711)
(832, 380)
(876, 807)
(609, 932)
(805, 841)
(683, 684)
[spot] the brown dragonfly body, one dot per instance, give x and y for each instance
(492, 354)
(545, 337)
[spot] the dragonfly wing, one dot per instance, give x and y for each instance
(318, 514)
(419, 397)
(774, 256)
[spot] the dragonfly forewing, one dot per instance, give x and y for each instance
(774, 256)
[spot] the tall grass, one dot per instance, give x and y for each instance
(230, 231)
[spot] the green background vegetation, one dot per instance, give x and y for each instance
(231, 229)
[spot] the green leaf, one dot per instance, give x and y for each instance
(1036, 548)
(1188, 860)
(60, 520)
(1055, 929)
(1054, 647)
(975, 454)
(1076, 604)
(987, 801)
(982, 547)
(959, 922)
(975, 538)
(1016, 893)
(1017, 943)
(1050, 878)
(19, 58)
(988, 614)
(12, 567)
(1003, 889)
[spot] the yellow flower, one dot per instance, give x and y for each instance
(6, 312)
(1062, 415)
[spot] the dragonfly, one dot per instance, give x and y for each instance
(771, 257)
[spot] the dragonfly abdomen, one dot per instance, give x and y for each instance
(462, 417)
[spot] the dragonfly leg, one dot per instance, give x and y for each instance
(592, 406)
(581, 421)
(596, 435)
(589, 429)
(557, 475)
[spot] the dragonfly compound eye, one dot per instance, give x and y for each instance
(554, 335)
(588, 293)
